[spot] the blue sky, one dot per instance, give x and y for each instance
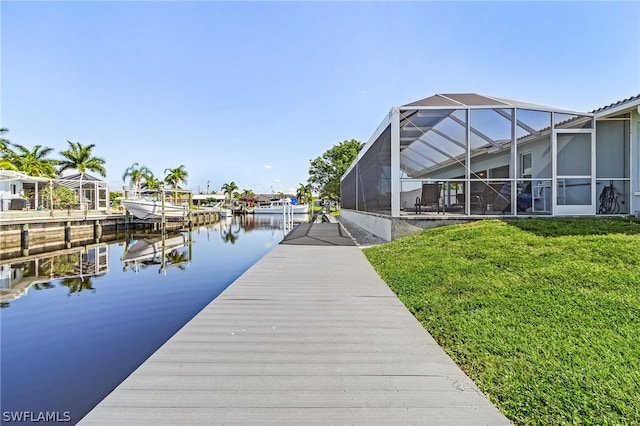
(252, 91)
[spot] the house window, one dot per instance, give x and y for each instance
(14, 189)
(525, 164)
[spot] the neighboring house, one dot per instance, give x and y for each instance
(491, 156)
(202, 199)
(20, 191)
(92, 193)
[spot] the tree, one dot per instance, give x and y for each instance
(6, 153)
(305, 193)
(248, 196)
(247, 193)
(6, 164)
(229, 188)
(34, 162)
(61, 196)
(150, 182)
(78, 157)
(325, 171)
(136, 173)
(173, 177)
(4, 143)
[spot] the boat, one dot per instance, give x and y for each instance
(283, 205)
(148, 208)
(219, 208)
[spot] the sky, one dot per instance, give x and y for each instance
(251, 92)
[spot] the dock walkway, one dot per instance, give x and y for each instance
(309, 335)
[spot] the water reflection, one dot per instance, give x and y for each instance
(73, 267)
(168, 250)
(232, 226)
(117, 319)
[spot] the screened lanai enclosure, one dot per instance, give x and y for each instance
(463, 155)
(91, 192)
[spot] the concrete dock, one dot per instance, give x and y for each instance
(309, 335)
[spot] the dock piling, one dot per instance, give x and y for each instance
(24, 237)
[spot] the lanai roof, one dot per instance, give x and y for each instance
(85, 177)
(74, 181)
(463, 100)
(433, 135)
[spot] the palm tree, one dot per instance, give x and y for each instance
(79, 157)
(6, 164)
(247, 193)
(304, 193)
(151, 182)
(34, 162)
(247, 196)
(4, 143)
(176, 176)
(229, 188)
(6, 153)
(136, 173)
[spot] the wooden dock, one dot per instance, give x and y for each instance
(309, 335)
(33, 231)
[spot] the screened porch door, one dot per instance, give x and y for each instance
(574, 188)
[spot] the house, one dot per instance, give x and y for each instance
(92, 193)
(467, 156)
(20, 191)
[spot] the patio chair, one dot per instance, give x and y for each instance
(492, 197)
(431, 194)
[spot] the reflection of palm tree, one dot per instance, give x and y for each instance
(230, 235)
(43, 286)
(76, 285)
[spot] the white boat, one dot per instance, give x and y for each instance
(219, 207)
(146, 208)
(281, 206)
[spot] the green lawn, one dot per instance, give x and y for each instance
(543, 314)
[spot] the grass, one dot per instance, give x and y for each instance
(543, 314)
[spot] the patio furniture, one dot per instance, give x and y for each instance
(431, 194)
(490, 198)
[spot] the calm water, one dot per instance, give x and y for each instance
(71, 339)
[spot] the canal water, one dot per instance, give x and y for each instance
(76, 322)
